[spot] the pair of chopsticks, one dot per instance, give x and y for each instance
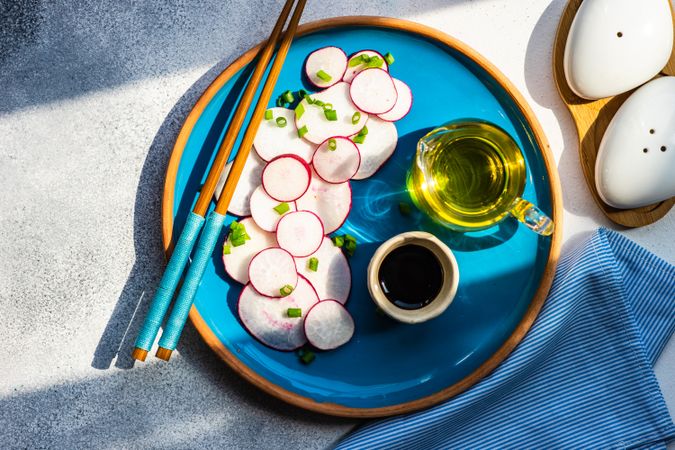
(212, 225)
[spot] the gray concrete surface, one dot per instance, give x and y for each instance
(92, 95)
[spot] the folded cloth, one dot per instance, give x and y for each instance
(582, 378)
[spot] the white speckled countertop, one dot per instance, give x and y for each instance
(91, 98)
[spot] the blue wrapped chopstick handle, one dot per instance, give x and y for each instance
(167, 285)
(179, 313)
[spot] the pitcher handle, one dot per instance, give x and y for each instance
(532, 217)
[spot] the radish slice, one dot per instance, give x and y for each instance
(339, 164)
(328, 325)
(378, 146)
(267, 318)
(318, 127)
(271, 140)
(331, 202)
(237, 261)
(333, 278)
(271, 270)
(250, 178)
(300, 233)
(263, 212)
(286, 178)
(351, 72)
(373, 91)
(403, 103)
(331, 60)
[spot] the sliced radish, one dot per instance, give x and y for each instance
(373, 91)
(318, 127)
(250, 178)
(378, 146)
(237, 261)
(263, 212)
(331, 202)
(267, 318)
(351, 72)
(328, 325)
(338, 164)
(286, 178)
(271, 140)
(332, 61)
(271, 270)
(403, 103)
(300, 233)
(333, 277)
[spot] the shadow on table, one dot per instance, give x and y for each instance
(577, 200)
(50, 51)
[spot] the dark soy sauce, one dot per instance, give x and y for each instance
(411, 276)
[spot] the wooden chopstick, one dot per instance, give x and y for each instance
(176, 265)
(214, 223)
(261, 106)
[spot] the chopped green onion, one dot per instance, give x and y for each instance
(365, 58)
(359, 139)
(338, 241)
(356, 61)
(364, 131)
(356, 117)
(332, 144)
(280, 102)
(302, 131)
(309, 99)
(350, 244)
(236, 242)
(268, 114)
(319, 103)
(281, 122)
(330, 114)
(389, 58)
(302, 93)
(286, 290)
(313, 264)
(404, 208)
(294, 312)
(327, 106)
(307, 357)
(282, 208)
(375, 62)
(288, 97)
(299, 111)
(350, 247)
(227, 249)
(323, 75)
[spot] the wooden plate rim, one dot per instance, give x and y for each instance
(535, 305)
(631, 218)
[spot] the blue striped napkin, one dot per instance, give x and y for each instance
(581, 379)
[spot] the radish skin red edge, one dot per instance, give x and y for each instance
(237, 261)
(300, 233)
(272, 269)
(373, 91)
(403, 103)
(328, 325)
(333, 276)
(266, 319)
(286, 178)
(351, 72)
(332, 60)
(338, 165)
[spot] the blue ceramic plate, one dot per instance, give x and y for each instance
(505, 272)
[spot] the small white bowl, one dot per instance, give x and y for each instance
(448, 288)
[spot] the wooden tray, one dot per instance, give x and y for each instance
(505, 272)
(592, 119)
